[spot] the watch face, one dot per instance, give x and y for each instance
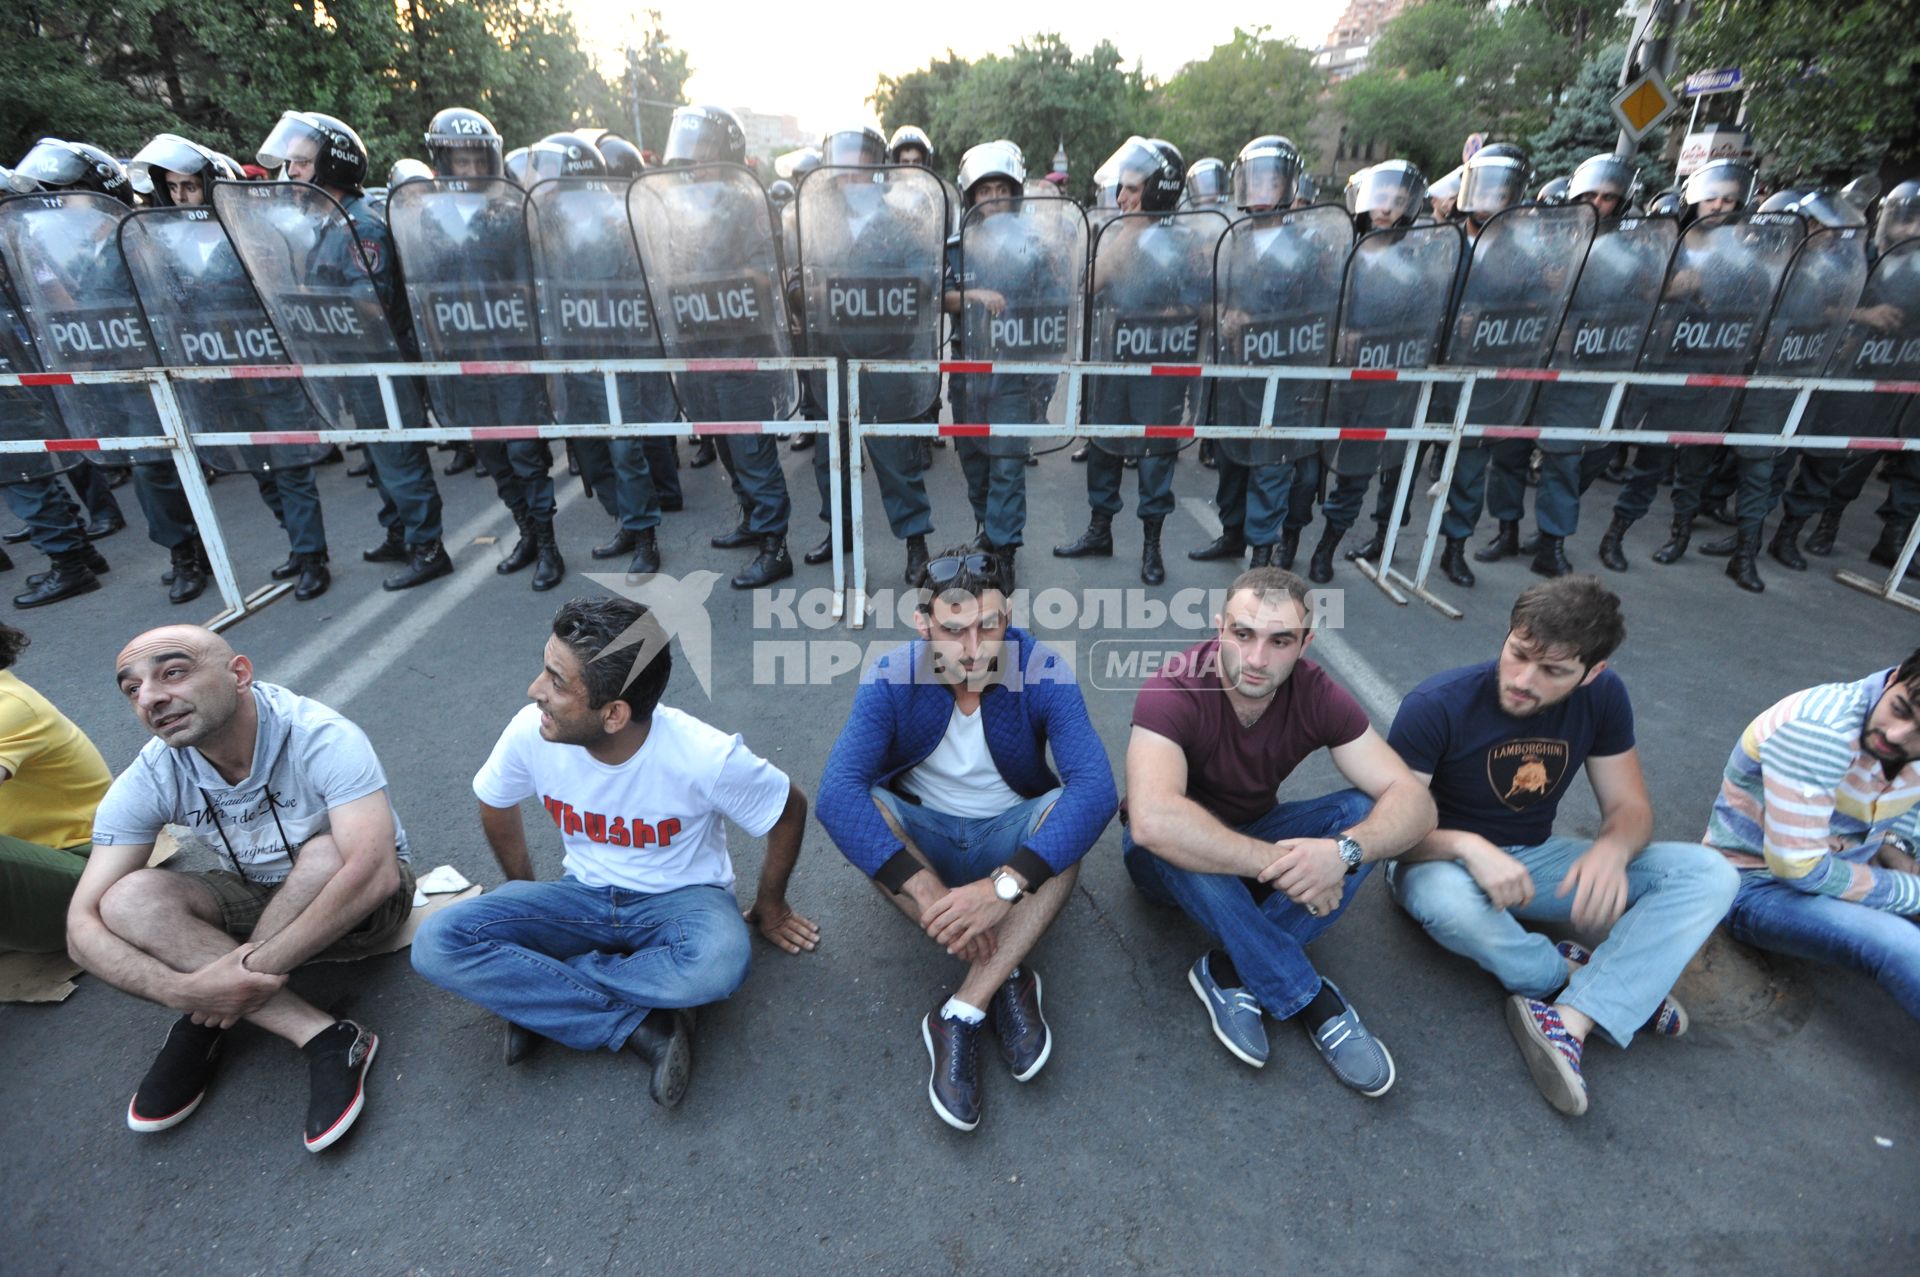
(1005, 887)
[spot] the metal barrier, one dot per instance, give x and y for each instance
(182, 442)
(1420, 431)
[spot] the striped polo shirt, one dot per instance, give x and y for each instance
(1801, 797)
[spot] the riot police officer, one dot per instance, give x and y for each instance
(1207, 185)
(910, 145)
(623, 157)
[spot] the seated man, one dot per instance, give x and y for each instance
(292, 794)
(939, 790)
(51, 779)
(1498, 743)
(1819, 811)
(642, 926)
(1214, 736)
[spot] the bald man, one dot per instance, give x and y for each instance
(292, 797)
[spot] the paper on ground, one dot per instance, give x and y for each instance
(436, 882)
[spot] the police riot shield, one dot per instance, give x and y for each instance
(1393, 313)
(201, 311)
(711, 249)
(25, 413)
(1022, 269)
(1879, 342)
(1519, 280)
(313, 274)
(1713, 312)
(1277, 297)
(872, 240)
(462, 244)
(1606, 323)
(592, 299)
(1150, 301)
(1816, 299)
(62, 254)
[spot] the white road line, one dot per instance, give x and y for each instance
(1357, 674)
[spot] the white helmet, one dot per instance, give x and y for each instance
(999, 158)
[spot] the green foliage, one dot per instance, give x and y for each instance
(1420, 117)
(1583, 124)
(1246, 87)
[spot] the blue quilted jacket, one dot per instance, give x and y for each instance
(899, 718)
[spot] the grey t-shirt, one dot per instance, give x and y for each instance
(306, 760)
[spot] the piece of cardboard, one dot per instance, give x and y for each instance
(403, 937)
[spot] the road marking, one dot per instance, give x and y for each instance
(1357, 674)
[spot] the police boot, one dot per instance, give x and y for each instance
(800, 442)
(549, 567)
(6, 561)
(1550, 556)
(1230, 544)
(315, 577)
(391, 550)
(1453, 562)
(189, 572)
(1289, 547)
(68, 576)
(1320, 566)
(1095, 542)
(646, 554)
(288, 570)
(462, 459)
(1893, 537)
(525, 550)
(1613, 555)
(823, 550)
(1721, 547)
(1504, 545)
(738, 539)
(916, 558)
(15, 537)
(1743, 566)
(1679, 533)
(1820, 540)
(1080, 453)
(88, 557)
(1261, 557)
(1370, 549)
(622, 543)
(361, 468)
(771, 565)
(1152, 570)
(1785, 546)
(105, 526)
(703, 455)
(1207, 456)
(425, 564)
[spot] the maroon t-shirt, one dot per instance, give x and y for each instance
(1234, 771)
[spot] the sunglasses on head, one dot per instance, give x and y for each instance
(948, 567)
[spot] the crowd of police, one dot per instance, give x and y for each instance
(579, 247)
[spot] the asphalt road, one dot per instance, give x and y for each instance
(806, 1141)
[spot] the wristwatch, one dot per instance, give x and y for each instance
(1350, 852)
(1006, 886)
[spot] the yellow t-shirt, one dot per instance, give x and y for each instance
(58, 776)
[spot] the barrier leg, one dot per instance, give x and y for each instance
(835, 525)
(193, 481)
(1889, 589)
(857, 605)
(1401, 494)
(1419, 583)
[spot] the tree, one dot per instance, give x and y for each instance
(1583, 123)
(1416, 117)
(912, 98)
(1246, 87)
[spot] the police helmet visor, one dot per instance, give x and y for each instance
(1899, 219)
(1132, 166)
(465, 156)
(168, 152)
(1207, 183)
(852, 148)
(51, 163)
(1266, 180)
(1603, 175)
(292, 139)
(1719, 182)
(1829, 210)
(1492, 185)
(1394, 193)
(693, 138)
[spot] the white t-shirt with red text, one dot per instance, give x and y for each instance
(653, 823)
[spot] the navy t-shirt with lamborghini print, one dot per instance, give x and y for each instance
(1496, 775)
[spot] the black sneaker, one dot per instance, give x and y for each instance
(1025, 1040)
(665, 1041)
(954, 1085)
(337, 1060)
(177, 1082)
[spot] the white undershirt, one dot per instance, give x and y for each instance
(959, 777)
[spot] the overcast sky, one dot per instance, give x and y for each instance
(819, 61)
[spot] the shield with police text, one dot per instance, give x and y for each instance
(1021, 266)
(201, 311)
(62, 253)
(1816, 300)
(1713, 312)
(26, 413)
(1879, 342)
(710, 245)
(872, 240)
(1393, 313)
(1150, 301)
(462, 244)
(592, 300)
(1277, 302)
(309, 269)
(1606, 322)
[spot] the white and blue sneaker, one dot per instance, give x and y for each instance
(1355, 1055)
(1235, 1014)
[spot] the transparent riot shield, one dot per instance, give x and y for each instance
(592, 299)
(308, 268)
(1817, 298)
(1022, 269)
(1880, 341)
(201, 310)
(1606, 323)
(1150, 301)
(712, 254)
(1393, 313)
(462, 244)
(872, 240)
(76, 298)
(1277, 294)
(25, 413)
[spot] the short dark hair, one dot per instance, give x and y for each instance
(1908, 675)
(12, 643)
(1571, 611)
(1272, 580)
(589, 627)
(966, 582)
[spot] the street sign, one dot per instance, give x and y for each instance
(1718, 80)
(1643, 104)
(1471, 147)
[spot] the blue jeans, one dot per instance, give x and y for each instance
(1769, 914)
(1266, 938)
(583, 965)
(997, 491)
(1677, 892)
(51, 520)
(963, 849)
(1254, 499)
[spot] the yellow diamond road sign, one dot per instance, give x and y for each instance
(1643, 104)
